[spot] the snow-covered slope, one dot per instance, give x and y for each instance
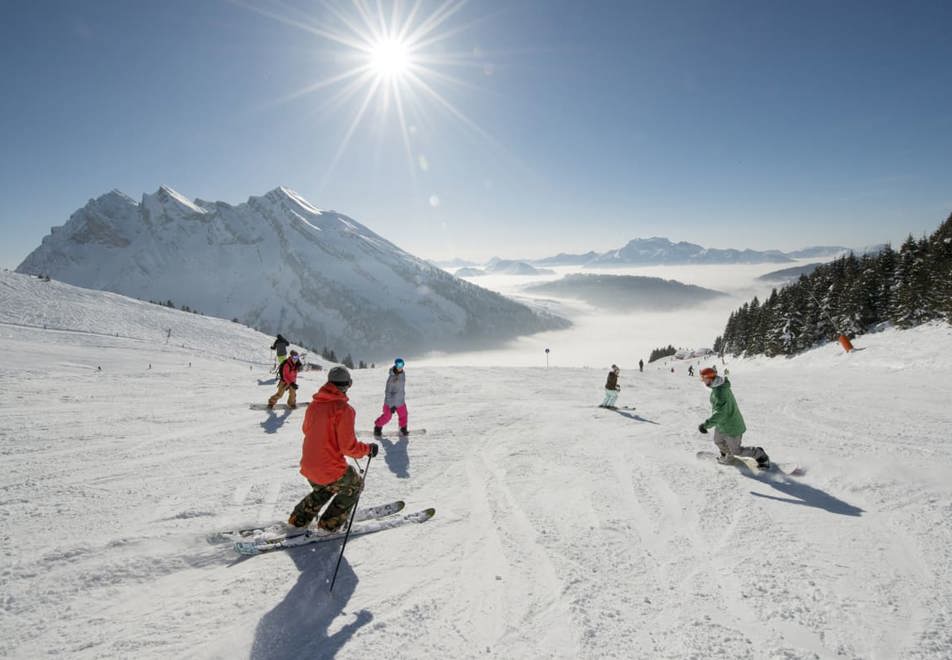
(562, 530)
(279, 264)
(50, 305)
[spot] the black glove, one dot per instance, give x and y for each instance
(702, 428)
(294, 386)
(393, 409)
(374, 448)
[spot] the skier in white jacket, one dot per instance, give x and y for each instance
(394, 399)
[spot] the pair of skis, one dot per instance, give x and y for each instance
(258, 540)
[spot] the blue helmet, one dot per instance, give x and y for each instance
(398, 363)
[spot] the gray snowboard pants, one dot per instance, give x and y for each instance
(731, 446)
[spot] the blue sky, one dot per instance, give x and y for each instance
(730, 124)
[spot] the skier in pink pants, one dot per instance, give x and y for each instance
(394, 399)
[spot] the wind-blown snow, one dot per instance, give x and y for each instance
(562, 530)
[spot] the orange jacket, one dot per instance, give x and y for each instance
(329, 436)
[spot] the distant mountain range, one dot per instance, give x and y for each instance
(657, 251)
(279, 264)
(627, 292)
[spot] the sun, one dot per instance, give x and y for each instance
(395, 55)
(390, 58)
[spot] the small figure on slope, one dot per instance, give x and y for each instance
(329, 436)
(394, 399)
(287, 381)
(280, 346)
(641, 365)
(727, 422)
(691, 370)
(612, 388)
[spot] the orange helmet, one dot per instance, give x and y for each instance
(708, 373)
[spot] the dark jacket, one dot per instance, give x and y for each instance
(281, 346)
(612, 382)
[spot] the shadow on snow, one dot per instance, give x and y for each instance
(299, 626)
(274, 422)
(396, 456)
(800, 493)
(636, 418)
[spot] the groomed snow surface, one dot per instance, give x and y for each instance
(562, 530)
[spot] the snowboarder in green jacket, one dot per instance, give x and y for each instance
(727, 422)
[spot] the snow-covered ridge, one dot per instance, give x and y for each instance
(278, 263)
(30, 302)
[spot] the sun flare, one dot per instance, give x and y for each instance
(390, 58)
(395, 55)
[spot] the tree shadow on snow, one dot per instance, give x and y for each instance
(274, 422)
(636, 418)
(397, 457)
(803, 494)
(299, 626)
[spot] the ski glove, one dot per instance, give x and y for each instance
(393, 409)
(374, 448)
(702, 428)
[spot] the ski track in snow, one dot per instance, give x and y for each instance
(562, 530)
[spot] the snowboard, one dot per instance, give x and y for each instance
(276, 530)
(743, 462)
(371, 436)
(277, 406)
(257, 547)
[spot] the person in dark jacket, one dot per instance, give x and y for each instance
(612, 388)
(280, 345)
(394, 400)
(287, 381)
(641, 365)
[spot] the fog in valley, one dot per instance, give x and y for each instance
(598, 338)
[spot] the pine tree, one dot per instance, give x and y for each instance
(940, 268)
(754, 345)
(348, 361)
(908, 303)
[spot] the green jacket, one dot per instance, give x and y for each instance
(725, 415)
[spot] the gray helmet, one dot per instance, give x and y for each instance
(339, 376)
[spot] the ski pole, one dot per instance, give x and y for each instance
(350, 523)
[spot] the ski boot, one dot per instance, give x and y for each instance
(404, 431)
(293, 529)
(378, 431)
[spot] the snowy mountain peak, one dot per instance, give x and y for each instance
(286, 196)
(278, 263)
(166, 201)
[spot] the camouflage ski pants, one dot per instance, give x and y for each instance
(730, 445)
(344, 491)
(282, 388)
